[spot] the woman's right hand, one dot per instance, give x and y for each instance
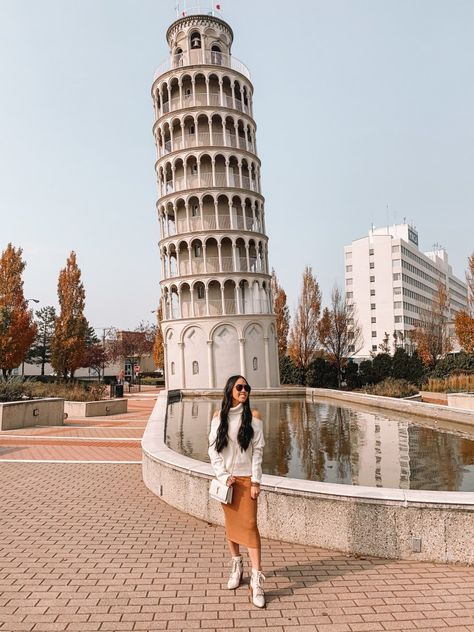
(230, 481)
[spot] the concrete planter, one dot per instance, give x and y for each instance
(32, 412)
(461, 400)
(96, 409)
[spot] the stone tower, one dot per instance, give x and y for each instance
(215, 290)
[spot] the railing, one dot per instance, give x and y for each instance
(201, 56)
(203, 99)
(193, 181)
(208, 222)
(204, 139)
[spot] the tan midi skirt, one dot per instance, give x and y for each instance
(241, 515)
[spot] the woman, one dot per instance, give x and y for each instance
(235, 448)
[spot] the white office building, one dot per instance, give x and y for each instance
(390, 282)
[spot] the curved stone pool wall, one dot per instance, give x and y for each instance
(390, 523)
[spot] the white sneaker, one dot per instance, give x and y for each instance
(257, 595)
(235, 573)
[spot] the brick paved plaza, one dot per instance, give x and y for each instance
(85, 546)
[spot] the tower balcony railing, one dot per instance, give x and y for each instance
(204, 99)
(210, 222)
(205, 139)
(199, 57)
(211, 265)
(206, 180)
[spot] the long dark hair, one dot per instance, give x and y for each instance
(245, 433)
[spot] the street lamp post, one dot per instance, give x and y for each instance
(27, 300)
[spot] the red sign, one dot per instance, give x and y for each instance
(137, 368)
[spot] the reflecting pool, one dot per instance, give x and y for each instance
(326, 442)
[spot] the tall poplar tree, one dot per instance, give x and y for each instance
(158, 348)
(303, 341)
(17, 329)
(282, 313)
(70, 328)
(431, 334)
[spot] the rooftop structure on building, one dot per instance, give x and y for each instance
(215, 284)
(391, 281)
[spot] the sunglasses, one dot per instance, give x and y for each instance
(241, 387)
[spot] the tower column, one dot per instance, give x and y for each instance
(267, 362)
(242, 355)
(210, 361)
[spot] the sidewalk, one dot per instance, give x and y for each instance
(85, 546)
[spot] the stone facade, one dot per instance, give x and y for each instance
(215, 284)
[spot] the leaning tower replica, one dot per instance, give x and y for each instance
(217, 315)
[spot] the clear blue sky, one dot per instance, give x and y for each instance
(359, 104)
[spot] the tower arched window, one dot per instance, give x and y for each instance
(172, 368)
(216, 54)
(195, 367)
(178, 57)
(255, 364)
(195, 40)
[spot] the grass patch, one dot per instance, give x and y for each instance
(391, 387)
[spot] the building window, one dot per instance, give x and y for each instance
(395, 248)
(255, 364)
(397, 276)
(194, 170)
(373, 319)
(371, 251)
(398, 319)
(192, 129)
(374, 334)
(351, 349)
(372, 279)
(195, 367)
(396, 263)
(371, 265)
(397, 290)
(349, 255)
(172, 368)
(397, 305)
(348, 268)
(374, 347)
(348, 281)
(349, 294)
(372, 292)
(372, 306)
(195, 210)
(200, 291)
(197, 250)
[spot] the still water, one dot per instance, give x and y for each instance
(333, 444)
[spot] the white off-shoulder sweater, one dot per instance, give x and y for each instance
(248, 463)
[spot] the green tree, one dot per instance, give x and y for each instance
(40, 351)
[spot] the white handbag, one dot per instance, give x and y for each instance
(220, 491)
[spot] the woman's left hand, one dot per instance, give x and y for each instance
(254, 492)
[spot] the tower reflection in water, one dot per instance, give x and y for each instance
(323, 442)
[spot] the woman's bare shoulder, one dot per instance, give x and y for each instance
(256, 414)
(216, 413)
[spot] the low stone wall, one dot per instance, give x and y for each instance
(433, 411)
(389, 523)
(33, 412)
(96, 409)
(461, 400)
(434, 398)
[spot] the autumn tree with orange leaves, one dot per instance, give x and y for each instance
(339, 332)
(431, 334)
(70, 328)
(303, 339)
(464, 320)
(282, 315)
(17, 328)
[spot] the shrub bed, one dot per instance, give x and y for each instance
(391, 387)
